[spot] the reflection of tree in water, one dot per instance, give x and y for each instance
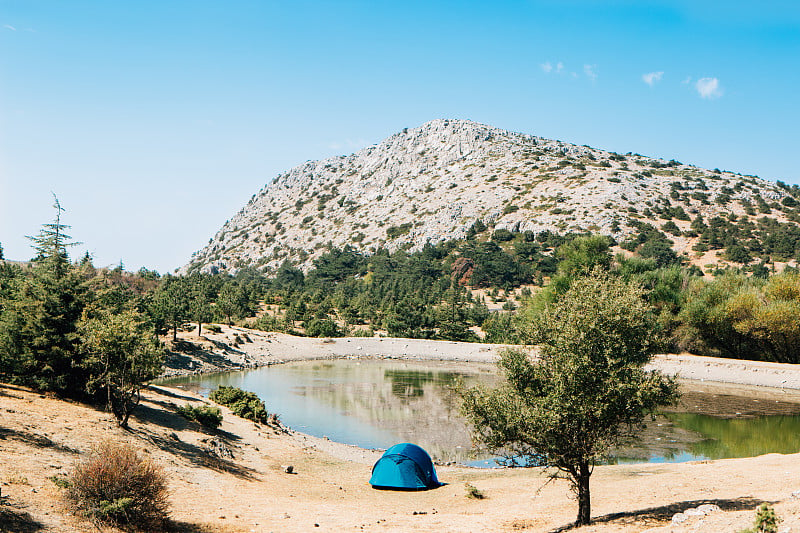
(410, 383)
(741, 437)
(412, 401)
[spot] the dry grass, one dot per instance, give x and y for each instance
(116, 484)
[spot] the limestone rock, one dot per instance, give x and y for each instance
(431, 183)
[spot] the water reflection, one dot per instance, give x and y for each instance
(377, 403)
(741, 437)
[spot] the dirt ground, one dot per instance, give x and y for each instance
(234, 479)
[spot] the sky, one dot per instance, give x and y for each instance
(154, 122)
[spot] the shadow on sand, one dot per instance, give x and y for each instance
(208, 457)
(17, 521)
(40, 441)
(660, 515)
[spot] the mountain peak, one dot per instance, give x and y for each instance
(432, 182)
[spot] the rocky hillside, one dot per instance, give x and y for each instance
(433, 182)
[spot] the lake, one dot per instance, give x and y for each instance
(376, 403)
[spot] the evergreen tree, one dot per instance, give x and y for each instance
(120, 356)
(199, 306)
(39, 345)
(169, 306)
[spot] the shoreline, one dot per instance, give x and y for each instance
(220, 352)
(754, 379)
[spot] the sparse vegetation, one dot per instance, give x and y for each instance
(116, 484)
(473, 492)
(766, 520)
(207, 415)
(244, 404)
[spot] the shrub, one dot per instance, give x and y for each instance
(213, 328)
(116, 484)
(207, 415)
(473, 492)
(392, 232)
(502, 235)
(766, 520)
(322, 327)
(243, 403)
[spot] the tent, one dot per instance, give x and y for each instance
(404, 466)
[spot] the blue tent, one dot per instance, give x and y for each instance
(404, 466)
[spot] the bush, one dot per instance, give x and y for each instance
(502, 235)
(766, 520)
(322, 327)
(213, 328)
(473, 492)
(115, 484)
(207, 415)
(243, 403)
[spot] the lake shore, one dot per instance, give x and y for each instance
(236, 348)
(234, 480)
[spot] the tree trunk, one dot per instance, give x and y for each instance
(584, 500)
(175, 331)
(199, 328)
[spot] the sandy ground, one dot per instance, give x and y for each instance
(249, 490)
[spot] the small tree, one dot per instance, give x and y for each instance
(120, 357)
(200, 311)
(587, 393)
(170, 304)
(229, 302)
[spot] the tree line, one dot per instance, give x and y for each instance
(71, 328)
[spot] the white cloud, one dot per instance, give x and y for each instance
(589, 71)
(651, 78)
(687, 81)
(546, 67)
(559, 67)
(708, 88)
(9, 27)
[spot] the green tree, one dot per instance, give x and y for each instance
(587, 392)
(582, 254)
(200, 311)
(39, 344)
(229, 302)
(169, 306)
(121, 355)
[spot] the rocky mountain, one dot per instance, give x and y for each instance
(432, 183)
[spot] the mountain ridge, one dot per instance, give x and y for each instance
(431, 183)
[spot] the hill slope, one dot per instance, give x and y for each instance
(431, 183)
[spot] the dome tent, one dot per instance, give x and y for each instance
(404, 466)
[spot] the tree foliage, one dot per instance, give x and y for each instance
(747, 317)
(72, 329)
(120, 356)
(587, 392)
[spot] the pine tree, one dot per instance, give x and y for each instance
(38, 338)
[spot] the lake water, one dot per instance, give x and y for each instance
(378, 403)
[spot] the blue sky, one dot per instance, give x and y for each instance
(154, 122)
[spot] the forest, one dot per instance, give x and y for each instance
(65, 322)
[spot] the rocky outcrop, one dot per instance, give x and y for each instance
(433, 182)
